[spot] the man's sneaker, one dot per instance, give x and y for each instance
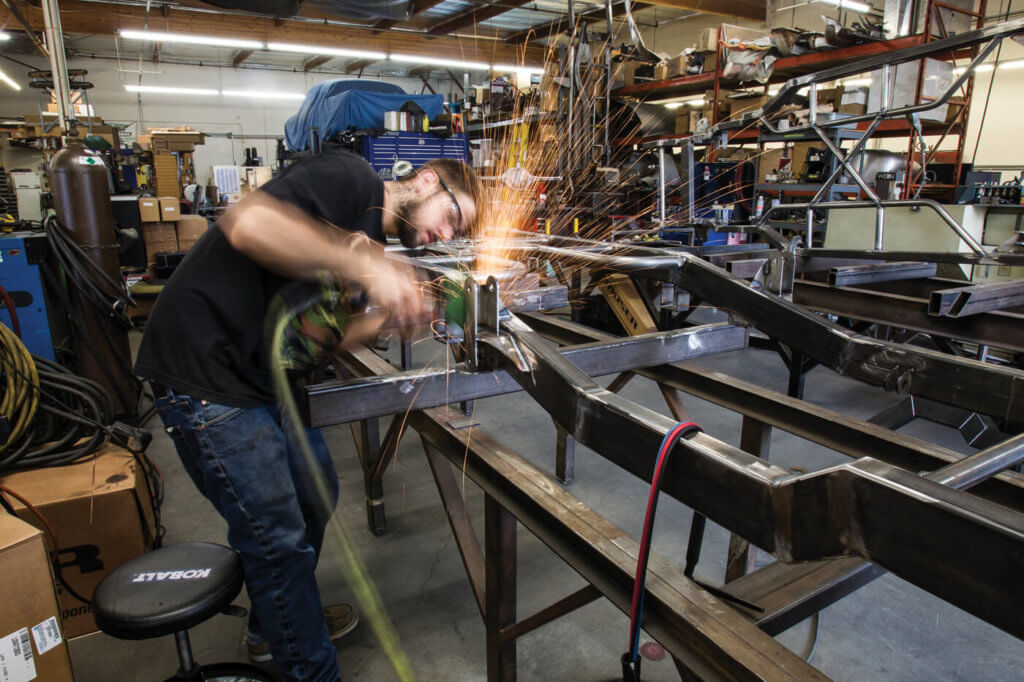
(341, 620)
(259, 652)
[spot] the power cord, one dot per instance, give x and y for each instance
(631, 659)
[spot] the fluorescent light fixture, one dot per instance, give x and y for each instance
(332, 51)
(519, 69)
(211, 41)
(673, 105)
(7, 79)
(1018, 64)
(161, 90)
(857, 82)
(263, 94)
(439, 61)
(699, 102)
(851, 5)
(4, 36)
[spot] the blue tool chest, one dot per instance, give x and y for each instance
(416, 148)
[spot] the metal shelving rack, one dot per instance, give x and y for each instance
(789, 67)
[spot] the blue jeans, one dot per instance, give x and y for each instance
(277, 505)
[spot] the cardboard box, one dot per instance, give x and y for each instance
(149, 209)
(661, 71)
(707, 39)
(189, 228)
(102, 515)
(676, 67)
(32, 641)
(159, 238)
(768, 162)
(682, 122)
(742, 105)
(170, 209)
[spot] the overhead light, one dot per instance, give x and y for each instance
(851, 5)
(263, 94)
(1018, 64)
(673, 105)
(333, 51)
(211, 41)
(4, 36)
(161, 90)
(699, 102)
(439, 61)
(984, 68)
(7, 79)
(519, 69)
(857, 82)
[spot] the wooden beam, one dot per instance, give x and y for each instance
(358, 65)
(474, 16)
(313, 62)
(240, 56)
(746, 9)
(558, 25)
(419, 71)
(96, 19)
(418, 7)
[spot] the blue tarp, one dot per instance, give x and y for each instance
(334, 106)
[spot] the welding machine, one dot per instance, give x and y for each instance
(20, 256)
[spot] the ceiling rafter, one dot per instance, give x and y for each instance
(418, 7)
(558, 25)
(92, 18)
(476, 15)
(240, 56)
(313, 62)
(358, 65)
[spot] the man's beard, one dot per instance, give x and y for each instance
(409, 236)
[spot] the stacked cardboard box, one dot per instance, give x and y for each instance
(189, 229)
(32, 639)
(159, 237)
(102, 516)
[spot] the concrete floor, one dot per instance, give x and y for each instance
(887, 630)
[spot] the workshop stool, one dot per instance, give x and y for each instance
(166, 592)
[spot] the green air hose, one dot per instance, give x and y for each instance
(299, 330)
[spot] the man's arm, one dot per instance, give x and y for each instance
(283, 239)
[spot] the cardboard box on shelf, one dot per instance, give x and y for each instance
(676, 66)
(170, 209)
(707, 39)
(32, 640)
(852, 101)
(741, 105)
(767, 163)
(682, 122)
(159, 237)
(661, 71)
(695, 116)
(102, 515)
(149, 209)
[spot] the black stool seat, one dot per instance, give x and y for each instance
(167, 590)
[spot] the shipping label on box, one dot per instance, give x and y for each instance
(32, 642)
(102, 516)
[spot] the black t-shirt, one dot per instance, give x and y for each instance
(205, 334)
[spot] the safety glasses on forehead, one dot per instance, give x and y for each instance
(455, 204)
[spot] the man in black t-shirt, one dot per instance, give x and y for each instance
(204, 350)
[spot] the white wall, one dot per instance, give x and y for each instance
(210, 114)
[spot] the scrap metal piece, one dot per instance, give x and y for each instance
(980, 298)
